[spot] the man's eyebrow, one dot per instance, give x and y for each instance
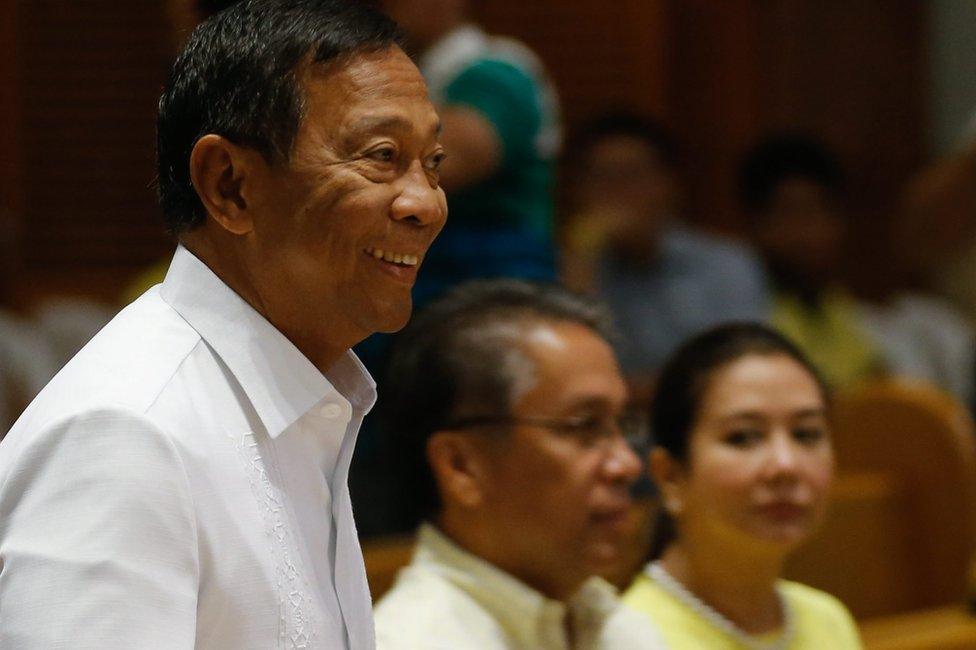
(589, 403)
(372, 123)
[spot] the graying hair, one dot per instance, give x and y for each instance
(464, 356)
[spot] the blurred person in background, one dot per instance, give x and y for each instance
(182, 482)
(744, 463)
(933, 241)
(501, 124)
(793, 188)
(509, 411)
(936, 229)
(663, 279)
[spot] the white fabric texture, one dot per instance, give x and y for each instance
(181, 483)
(449, 599)
(922, 337)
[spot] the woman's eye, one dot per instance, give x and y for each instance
(809, 434)
(743, 437)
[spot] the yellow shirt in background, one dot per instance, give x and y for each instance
(148, 277)
(831, 335)
(821, 621)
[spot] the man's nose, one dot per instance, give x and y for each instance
(622, 463)
(420, 200)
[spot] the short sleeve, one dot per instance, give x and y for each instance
(98, 543)
(507, 97)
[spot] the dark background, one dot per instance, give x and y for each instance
(80, 79)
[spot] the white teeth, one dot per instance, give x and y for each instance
(395, 258)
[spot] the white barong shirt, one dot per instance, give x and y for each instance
(182, 483)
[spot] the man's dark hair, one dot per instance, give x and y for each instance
(782, 157)
(628, 124)
(239, 77)
(461, 357)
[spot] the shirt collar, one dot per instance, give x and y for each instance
(518, 608)
(281, 383)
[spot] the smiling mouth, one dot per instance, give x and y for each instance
(402, 259)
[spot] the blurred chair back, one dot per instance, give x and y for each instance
(902, 530)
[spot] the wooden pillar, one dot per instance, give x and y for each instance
(11, 191)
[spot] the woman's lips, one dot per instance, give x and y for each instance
(784, 510)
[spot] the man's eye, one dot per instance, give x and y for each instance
(589, 429)
(434, 162)
(383, 154)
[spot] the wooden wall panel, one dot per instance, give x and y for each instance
(851, 72)
(89, 81)
(598, 57)
(10, 176)
(715, 87)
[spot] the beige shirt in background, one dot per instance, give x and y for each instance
(449, 599)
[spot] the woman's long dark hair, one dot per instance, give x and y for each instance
(683, 380)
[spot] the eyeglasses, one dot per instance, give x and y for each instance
(589, 431)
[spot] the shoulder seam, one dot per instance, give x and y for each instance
(163, 385)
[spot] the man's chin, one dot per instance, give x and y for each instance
(393, 317)
(603, 554)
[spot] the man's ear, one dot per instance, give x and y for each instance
(222, 172)
(459, 467)
(669, 475)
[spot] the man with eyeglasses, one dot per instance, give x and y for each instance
(508, 408)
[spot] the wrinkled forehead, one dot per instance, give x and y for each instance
(364, 73)
(369, 90)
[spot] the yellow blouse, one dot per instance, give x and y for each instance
(821, 621)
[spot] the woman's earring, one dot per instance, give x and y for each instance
(673, 505)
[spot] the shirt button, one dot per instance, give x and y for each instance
(331, 411)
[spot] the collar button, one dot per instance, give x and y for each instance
(331, 411)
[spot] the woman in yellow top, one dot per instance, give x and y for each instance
(743, 461)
